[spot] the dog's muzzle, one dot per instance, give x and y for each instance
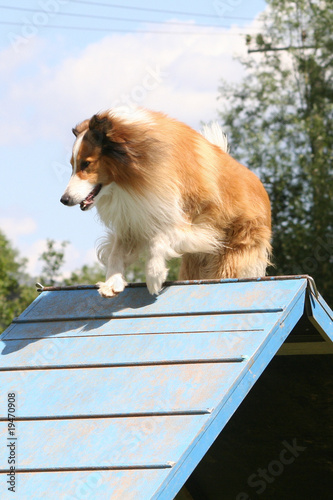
(86, 203)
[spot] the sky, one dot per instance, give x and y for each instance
(61, 61)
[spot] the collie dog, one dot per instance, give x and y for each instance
(162, 188)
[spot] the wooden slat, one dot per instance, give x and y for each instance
(81, 485)
(105, 391)
(129, 326)
(174, 300)
(129, 349)
(321, 317)
(305, 348)
(115, 442)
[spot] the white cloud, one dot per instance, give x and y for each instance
(32, 253)
(15, 227)
(11, 59)
(177, 74)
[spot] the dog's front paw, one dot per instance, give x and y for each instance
(156, 280)
(112, 286)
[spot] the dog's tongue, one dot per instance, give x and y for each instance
(89, 200)
(86, 203)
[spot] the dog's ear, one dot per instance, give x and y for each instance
(100, 126)
(107, 137)
(81, 127)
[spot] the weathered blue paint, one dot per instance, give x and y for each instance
(321, 316)
(136, 302)
(121, 398)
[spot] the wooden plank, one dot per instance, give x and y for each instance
(299, 348)
(320, 316)
(130, 326)
(82, 485)
(173, 300)
(128, 349)
(112, 391)
(104, 443)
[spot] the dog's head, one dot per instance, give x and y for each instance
(106, 150)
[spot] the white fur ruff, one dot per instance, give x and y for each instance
(147, 223)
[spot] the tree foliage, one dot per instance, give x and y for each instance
(16, 291)
(280, 123)
(136, 272)
(53, 259)
(86, 275)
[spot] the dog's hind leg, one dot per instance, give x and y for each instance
(239, 262)
(245, 253)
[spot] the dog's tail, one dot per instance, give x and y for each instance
(214, 134)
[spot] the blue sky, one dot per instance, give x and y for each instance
(54, 75)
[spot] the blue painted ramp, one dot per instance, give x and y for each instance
(121, 398)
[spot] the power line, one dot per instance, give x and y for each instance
(161, 11)
(111, 18)
(117, 30)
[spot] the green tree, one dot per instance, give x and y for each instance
(86, 275)
(280, 123)
(89, 275)
(53, 259)
(16, 290)
(136, 272)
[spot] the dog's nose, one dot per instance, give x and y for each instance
(65, 199)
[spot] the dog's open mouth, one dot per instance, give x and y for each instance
(89, 200)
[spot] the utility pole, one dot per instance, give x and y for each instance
(274, 49)
(266, 47)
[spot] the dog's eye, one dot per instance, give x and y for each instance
(84, 164)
